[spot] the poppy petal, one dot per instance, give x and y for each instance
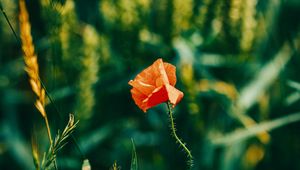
(147, 76)
(163, 94)
(174, 95)
(155, 85)
(158, 96)
(162, 78)
(171, 73)
(138, 97)
(144, 88)
(152, 73)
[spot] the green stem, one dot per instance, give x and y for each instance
(173, 129)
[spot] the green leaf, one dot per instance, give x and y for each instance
(134, 163)
(293, 84)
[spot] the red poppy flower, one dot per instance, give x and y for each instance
(155, 85)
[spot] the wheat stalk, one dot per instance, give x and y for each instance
(31, 63)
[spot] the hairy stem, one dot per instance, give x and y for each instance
(178, 140)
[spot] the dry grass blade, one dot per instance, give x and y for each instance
(31, 64)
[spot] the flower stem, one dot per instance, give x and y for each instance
(178, 140)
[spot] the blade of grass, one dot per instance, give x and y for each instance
(134, 162)
(240, 135)
(250, 94)
(9, 23)
(293, 84)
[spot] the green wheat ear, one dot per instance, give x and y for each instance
(178, 140)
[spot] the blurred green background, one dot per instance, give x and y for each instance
(237, 64)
